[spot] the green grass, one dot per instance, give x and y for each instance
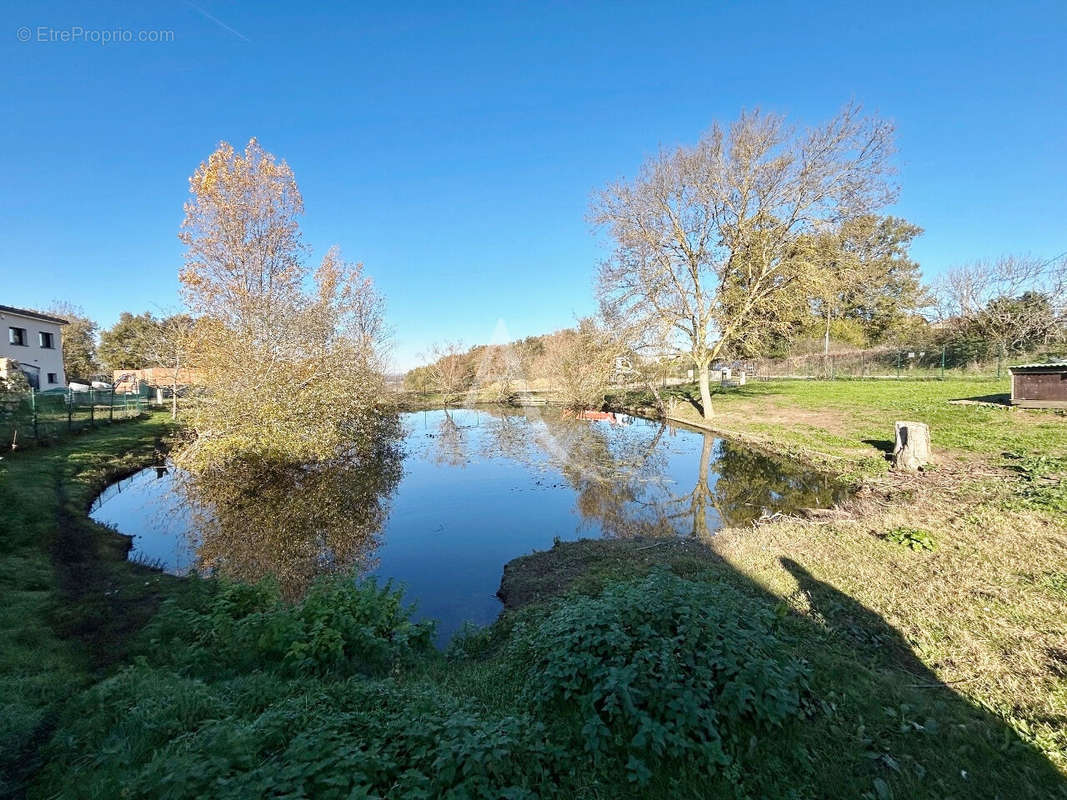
(43, 660)
(847, 426)
(213, 706)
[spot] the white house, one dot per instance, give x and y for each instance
(36, 342)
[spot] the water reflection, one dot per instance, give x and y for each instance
(451, 444)
(443, 499)
(628, 482)
(251, 518)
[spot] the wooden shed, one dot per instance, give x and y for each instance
(1039, 385)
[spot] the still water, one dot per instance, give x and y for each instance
(451, 496)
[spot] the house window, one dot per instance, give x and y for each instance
(47, 340)
(51, 377)
(17, 336)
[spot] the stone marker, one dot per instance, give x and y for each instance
(912, 449)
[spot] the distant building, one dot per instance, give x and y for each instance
(138, 381)
(1039, 385)
(35, 341)
(130, 381)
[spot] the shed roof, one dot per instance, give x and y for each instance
(24, 312)
(1052, 366)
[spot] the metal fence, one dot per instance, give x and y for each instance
(938, 362)
(44, 416)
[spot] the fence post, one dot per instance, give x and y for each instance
(942, 362)
(111, 406)
(92, 407)
(70, 410)
(33, 413)
(898, 363)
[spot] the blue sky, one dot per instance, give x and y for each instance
(453, 147)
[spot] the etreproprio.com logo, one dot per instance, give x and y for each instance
(74, 34)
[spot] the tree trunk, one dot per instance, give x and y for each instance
(912, 449)
(651, 383)
(705, 390)
(174, 393)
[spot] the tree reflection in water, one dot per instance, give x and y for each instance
(450, 442)
(623, 486)
(254, 518)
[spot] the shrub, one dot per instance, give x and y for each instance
(148, 733)
(663, 672)
(341, 626)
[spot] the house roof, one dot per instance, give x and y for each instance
(1054, 366)
(23, 312)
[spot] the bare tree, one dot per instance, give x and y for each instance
(1012, 301)
(449, 370)
(497, 372)
(640, 349)
(167, 343)
(711, 240)
(580, 363)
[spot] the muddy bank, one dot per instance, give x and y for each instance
(586, 564)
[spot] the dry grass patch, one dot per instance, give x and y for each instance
(985, 610)
(979, 610)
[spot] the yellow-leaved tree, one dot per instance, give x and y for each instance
(290, 361)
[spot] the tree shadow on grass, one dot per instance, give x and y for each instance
(879, 724)
(884, 445)
(688, 395)
(906, 709)
(862, 631)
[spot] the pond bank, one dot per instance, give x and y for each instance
(586, 564)
(847, 469)
(71, 600)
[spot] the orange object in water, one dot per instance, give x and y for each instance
(593, 416)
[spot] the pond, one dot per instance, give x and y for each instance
(450, 496)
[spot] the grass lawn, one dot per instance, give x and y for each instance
(846, 427)
(985, 610)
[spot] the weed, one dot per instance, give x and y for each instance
(915, 538)
(1044, 481)
(663, 673)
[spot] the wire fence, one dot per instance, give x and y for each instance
(45, 416)
(937, 362)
